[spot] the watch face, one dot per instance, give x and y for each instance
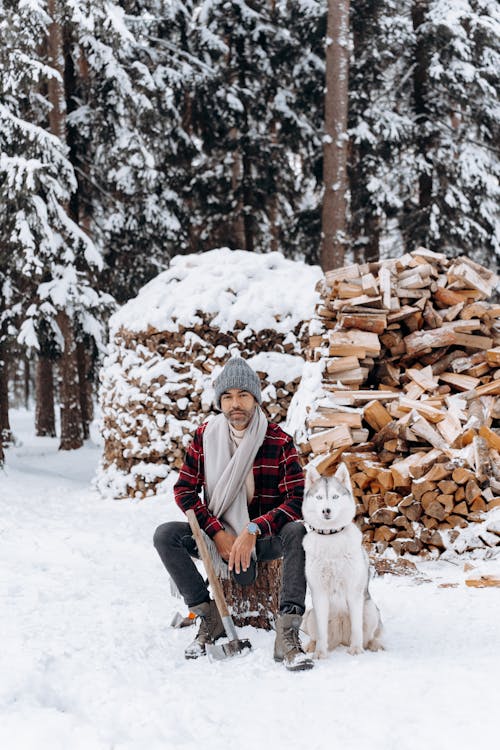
(253, 528)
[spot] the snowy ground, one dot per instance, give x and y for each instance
(89, 661)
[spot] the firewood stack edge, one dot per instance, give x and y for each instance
(410, 356)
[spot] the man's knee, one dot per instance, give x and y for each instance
(167, 535)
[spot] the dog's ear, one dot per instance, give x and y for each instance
(312, 476)
(342, 476)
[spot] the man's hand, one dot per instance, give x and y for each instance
(224, 542)
(241, 551)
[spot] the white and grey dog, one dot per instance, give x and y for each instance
(337, 569)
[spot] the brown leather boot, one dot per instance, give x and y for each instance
(287, 646)
(211, 628)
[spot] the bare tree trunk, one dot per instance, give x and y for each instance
(71, 412)
(335, 149)
(85, 387)
(27, 382)
(423, 140)
(45, 423)
(71, 415)
(238, 222)
(5, 430)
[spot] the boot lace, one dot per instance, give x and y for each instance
(292, 640)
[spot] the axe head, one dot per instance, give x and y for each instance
(220, 651)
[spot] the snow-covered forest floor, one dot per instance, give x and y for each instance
(89, 661)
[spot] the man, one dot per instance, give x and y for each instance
(253, 487)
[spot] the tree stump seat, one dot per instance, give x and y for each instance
(257, 604)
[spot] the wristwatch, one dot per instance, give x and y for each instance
(252, 528)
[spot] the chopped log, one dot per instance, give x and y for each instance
(356, 343)
(384, 534)
(493, 356)
(419, 487)
(470, 341)
(432, 538)
(481, 460)
(492, 438)
(334, 419)
(423, 341)
(447, 486)
(472, 491)
(485, 581)
(462, 475)
(369, 322)
(384, 516)
(423, 408)
(413, 511)
(376, 415)
(340, 364)
(460, 382)
(337, 437)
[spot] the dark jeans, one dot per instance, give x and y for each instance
(176, 547)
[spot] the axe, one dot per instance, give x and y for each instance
(235, 645)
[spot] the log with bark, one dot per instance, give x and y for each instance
(257, 604)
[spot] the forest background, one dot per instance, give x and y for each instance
(131, 132)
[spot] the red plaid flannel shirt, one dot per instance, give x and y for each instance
(279, 483)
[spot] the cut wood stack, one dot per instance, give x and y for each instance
(169, 343)
(156, 389)
(410, 350)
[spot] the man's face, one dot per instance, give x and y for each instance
(238, 407)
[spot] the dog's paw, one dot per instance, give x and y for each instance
(320, 653)
(355, 650)
(376, 646)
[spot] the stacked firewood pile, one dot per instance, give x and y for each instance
(167, 393)
(410, 350)
(156, 383)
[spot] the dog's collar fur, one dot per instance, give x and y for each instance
(327, 531)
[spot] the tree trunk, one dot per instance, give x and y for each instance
(364, 227)
(71, 412)
(85, 387)
(4, 396)
(258, 604)
(27, 383)
(238, 223)
(45, 424)
(335, 140)
(420, 227)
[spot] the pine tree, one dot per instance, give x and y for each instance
(52, 259)
(380, 122)
(247, 177)
(456, 82)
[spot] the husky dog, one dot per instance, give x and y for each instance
(337, 569)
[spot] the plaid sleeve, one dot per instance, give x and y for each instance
(291, 492)
(189, 485)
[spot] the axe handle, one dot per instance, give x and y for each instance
(207, 562)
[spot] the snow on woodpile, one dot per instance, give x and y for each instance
(404, 387)
(168, 344)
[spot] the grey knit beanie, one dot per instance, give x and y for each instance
(237, 374)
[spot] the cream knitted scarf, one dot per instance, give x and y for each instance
(225, 475)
